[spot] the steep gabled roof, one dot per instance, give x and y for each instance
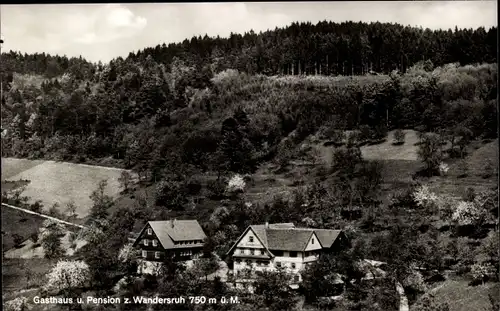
(287, 237)
(326, 236)
(170, 231)
(260, 230)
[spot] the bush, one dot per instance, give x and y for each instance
(216, 188)
(365, 132)
(482, 272)
(36, 207)
(18, 240)
(34, 237)
(399, 137)
(470, 194)
(236, 184)
(488, 169)
(462, 168)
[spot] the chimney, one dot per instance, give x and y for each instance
(172, 221)
(267, 225)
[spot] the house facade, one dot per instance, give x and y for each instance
(179, 239)
(271, 246)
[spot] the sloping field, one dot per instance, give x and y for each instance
(11, 166)
(18, 222)
(454, 186)
(60, 182)
(462, 297)
(383, 151)
(30, 250)
(387, 151)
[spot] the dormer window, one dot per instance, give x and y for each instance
(146, 242)
(250, 239)
(150, 231)
(155, 243)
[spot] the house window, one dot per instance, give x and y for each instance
(155, 243)
(157, 255)
(293, 265)
(312, 241)
(293, 254)
(146, 242)
(150, 231)
(262, 252)
(296, 278)
(278, 264)
(252, 252)
(238, 261)
(248, 262)
(144, 254)
(250, 239)
(278, 253)
(242, 251)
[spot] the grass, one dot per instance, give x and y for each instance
(11, 167)
(18, 222)
(60, 182)
(14, 273)
(478, 154)
(387, 151)
(462, 297)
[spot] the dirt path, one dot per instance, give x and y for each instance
(403, 300)
(44, 216)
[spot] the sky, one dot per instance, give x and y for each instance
(106, 31)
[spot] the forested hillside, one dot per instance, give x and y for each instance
(173, 99)
(290, 125)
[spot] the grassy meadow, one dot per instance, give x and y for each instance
(60, 182)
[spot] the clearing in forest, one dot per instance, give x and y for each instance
(61, 182)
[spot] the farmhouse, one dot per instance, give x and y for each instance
(272, 246)
(180, 239)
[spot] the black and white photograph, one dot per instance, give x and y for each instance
(250, 156)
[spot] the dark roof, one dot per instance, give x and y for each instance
(182, 230)
(326, 236)
(287, 237)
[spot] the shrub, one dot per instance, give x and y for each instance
(353, 138)
(236, 184)
(443, 168)
(469, 195)
(125, 180)
(488, 169)
(17, 304)
(18, 240)
(216, 188)
(36, 207)
(481, 272)
(429, 303)
(365, 132)
(34, 237)
(54, 211)
(399, 137)
(462, 168)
